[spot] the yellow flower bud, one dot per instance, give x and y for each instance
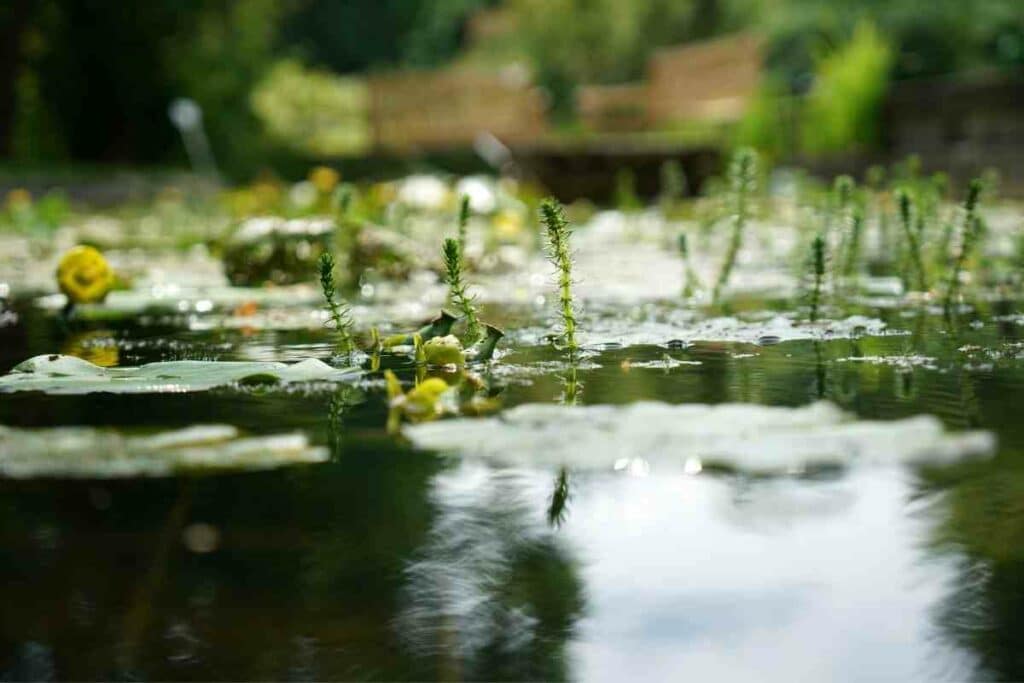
(84, 275)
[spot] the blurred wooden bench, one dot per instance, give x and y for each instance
(711, 81)
(449, 108)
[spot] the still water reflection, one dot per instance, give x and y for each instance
(391, 564)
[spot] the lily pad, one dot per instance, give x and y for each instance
(684, 438)
(58, 374)
(88, 452)
(172, 298)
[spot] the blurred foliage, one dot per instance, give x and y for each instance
(560, 36)
(929, 39)
(21, 213)
(316, 112)
(841, 111)
(843, 106)
(357, 36)
(94, 79)
(91, 81)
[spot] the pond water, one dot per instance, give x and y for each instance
(387, 562)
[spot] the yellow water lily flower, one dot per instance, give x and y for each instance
(324, 179)
(445, 350)
(508, 225)
(84, 275)
(422, 402)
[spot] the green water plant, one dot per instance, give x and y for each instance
(852, 251)
(438, 327)
(742, 184)
(453, 267)
(463, 223)
(558, 234)
(337, 309)
(912, 237)
(969, 232)
(818, 274)
(690, 281)
(673, 184)
(626, 198)
(483, 350)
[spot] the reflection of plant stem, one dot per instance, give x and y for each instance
(420, 356)
(819, 371)
(338, 310)
(558, 506)
(558, 233)
(376, 345)
(572, 388)
(742, 180)
(137, 617)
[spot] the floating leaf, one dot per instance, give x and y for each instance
(105, 453)
(747, 437)
(57, 374)
(171, 298)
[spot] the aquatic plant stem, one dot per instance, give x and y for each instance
(742, 179)
(558, 233)
(338, 310)
(690, 280)
(463, 223)
(818, 263)
(853, 245)
(457, 289)
(913, 242)
(968, 236)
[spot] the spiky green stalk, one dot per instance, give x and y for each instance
(457, 289)
(843, 200)
(558, 232)
(818, 265)
(968, 236)
(673, 183)
(853, 243)
(690, 280)
(912, 237)
(337, 309)
(463, 222)
(742, 181)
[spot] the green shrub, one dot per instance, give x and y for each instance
(841, 111)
